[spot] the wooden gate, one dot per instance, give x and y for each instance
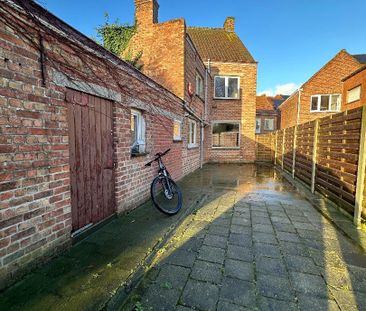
(91, 158)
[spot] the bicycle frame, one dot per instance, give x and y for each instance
(164, 174)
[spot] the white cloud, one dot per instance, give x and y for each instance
(284, 89)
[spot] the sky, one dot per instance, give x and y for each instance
(290, 39)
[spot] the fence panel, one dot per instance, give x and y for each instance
(264, 147)
(304, 151)
(279, 150)
(289, 149)
(337, 157)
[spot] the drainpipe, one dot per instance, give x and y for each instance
(208, 71)
(298, 106)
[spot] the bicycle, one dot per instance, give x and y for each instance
(165, 193)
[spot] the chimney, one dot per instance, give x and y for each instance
(229, 24)
(146, 12)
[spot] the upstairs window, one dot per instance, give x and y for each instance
(269, 124)
(354, 94)
(326, 103)
(225, 135)
(227, 87)
(199, 86)
(192, 137)
(137, 132)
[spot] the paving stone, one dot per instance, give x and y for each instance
(284, 227)
(158, 298)
(349, 300)
(181, 258)
(301, 225)
(264, 237)
(294, 212)
(266, 250)
(200, 295)
(212, 254)
(316, 303)
(239, 269)
(239, 253)
(282, 220)
(224, 222)
(207, 271)
(238, 292)
(219, 230)
(182, 308)
(309, 284)
(269, 304)
(260, 214)
(241, 221)
(275, 287)
(174, 276)
(240, 229)
(261, 220)
(240, 239)
(215, 240)
(227, 306)
(271, 266)
(289, 237)
(310, 234)
(301, 264)
(298, 219)
(263, 228)
(294, 249)
(192, 245)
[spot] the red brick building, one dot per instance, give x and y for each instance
(354, 89)
(321, 95)
(267, 114)
(77, 126)
(212, 72)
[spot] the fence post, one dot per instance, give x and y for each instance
(294, 152)
(275, 151)
(360, 171)
(283, 147)
(315, 151)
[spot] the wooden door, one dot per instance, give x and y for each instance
(90, 121)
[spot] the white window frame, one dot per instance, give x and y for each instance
(141, 139)
(200, 91)
(226, 87)
(192, 125)
(359, 88)
(319, 96)
(273, 124)
(179, 137)
(260, 125)
(231, 122)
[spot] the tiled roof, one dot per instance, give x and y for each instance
(217, 44)
(361, 58)
(264, 103)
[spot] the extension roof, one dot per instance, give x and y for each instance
(217, 44)
(361, 58)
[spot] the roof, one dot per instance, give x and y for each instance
(264, 103)
(217, 44)
(361, 58)
(355, 73)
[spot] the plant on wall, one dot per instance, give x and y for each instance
(115, 38)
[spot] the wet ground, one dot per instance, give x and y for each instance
(245, 240)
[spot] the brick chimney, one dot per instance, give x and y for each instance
(229, 24)
(146, 12)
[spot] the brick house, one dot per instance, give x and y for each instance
(267, 114)
(214, 74)
(354, 89)
(321, 95)
(77, 126)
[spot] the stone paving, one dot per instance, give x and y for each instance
(254, 244)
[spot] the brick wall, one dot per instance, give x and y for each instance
(353, 81)
(35, 207)
(263, 115)
(328, 80)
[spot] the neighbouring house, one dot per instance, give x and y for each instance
(267, 114)
(77, 126)
(354, 89)
(212, 71)
(321, 95)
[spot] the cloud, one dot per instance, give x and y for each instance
(284, 89)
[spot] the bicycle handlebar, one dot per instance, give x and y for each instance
(158, 155)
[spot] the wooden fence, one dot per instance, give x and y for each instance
(328, 155)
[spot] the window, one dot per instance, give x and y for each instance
(177, 130)
(227, 87)
(257, 125)
(354, 94)
(269, 124)
(199, 86)
(225, 135)
(137, 132)
(325, 103)
(192, 138)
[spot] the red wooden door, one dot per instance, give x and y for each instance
(91, 158)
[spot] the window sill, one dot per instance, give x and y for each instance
(324, 111)
(226, 148)
(177, 140)
(137, 155)
(192, 146)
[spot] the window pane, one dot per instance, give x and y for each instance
(233, 87)
(177, 130)
(354, 94)
(324, 104)
(258, 125)
(314, 103)
(269, 124)
(225, 135)
(219, 87)
(134, 128)
(334, 103)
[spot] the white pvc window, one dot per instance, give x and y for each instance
(137, 132)
(258, 125)
(354, 94)
(192, 134)
(227, 87)
(177, 130)
(199, 86)
(325, 103)
(269, 124)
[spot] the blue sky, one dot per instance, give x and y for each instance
(291, 39)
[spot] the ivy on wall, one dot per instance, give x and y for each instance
(115, 38)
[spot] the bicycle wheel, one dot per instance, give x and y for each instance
(169, 204)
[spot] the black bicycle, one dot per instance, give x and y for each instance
(165, 193)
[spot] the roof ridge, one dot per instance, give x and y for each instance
(208, 28)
